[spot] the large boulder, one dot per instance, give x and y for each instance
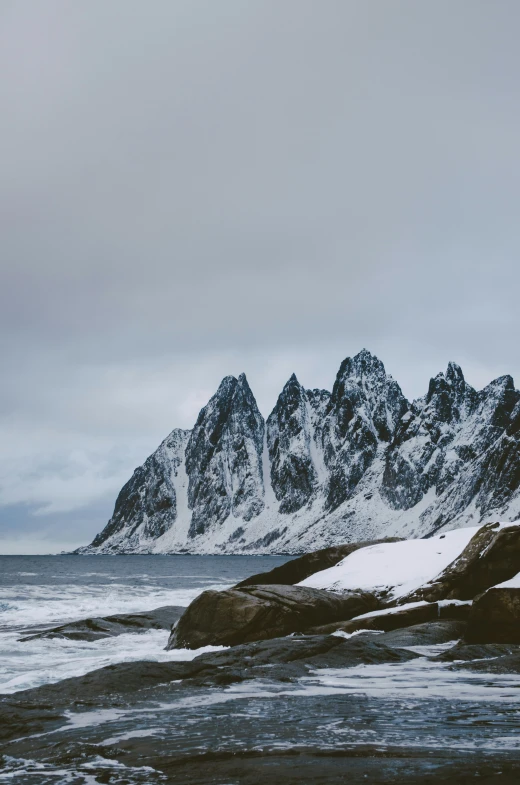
(495, 617)
(256, 613)
(491, 556)
(298, 569)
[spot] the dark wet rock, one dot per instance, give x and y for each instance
(507, 664)
(30, 711)
(454, 610)
(477, 651)
(282, 659)
(173, 722)
(384, 622)
(109, 626)
(260, 612)
(495, 617)
(297, 570)
(291, 658)
(320, 765)
(311, 649)
(492, 556)
(394, 620)
(426, 634)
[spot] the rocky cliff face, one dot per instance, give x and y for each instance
(224, 458)
(358, 463)
(291, 440)
(147, 504)
(365, 408)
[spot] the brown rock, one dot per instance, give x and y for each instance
(495, 617)
(397, 620)
(260, 612)
(491, 556)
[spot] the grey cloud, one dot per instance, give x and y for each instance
(190, 189)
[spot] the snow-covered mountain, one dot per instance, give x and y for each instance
(359, 463)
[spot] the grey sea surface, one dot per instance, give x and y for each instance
(39, 592)
(381, 720)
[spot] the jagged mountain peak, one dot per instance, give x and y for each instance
(364, 373)
(243, 397)
(223, 394)
(148, 502)
(454, 373)
(291, 387)
(326, 467)
(224, 457)
(242, 381)
(364, 390)
(498, 400)
(363, 413)
(363, 364)
(502, 383)
(290, 445)
(449, 397)
(227, 383)
(319, 400)
(230, 392)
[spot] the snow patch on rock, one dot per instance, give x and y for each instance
(398, 568)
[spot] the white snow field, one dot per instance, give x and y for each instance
(398, 567)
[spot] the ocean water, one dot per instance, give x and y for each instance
(380, 722)
(39, 592)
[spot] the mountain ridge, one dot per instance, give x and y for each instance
(359, 462)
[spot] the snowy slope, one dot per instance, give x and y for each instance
(397, 567)
(358, 463)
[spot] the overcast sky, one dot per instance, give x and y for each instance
(193, 188)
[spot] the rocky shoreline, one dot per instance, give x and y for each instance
(468, 588)
(421, 687)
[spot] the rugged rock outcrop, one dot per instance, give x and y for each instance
(495, 617)
(396, 620)
(504, 664)
(426, 634)
(364, 410)
(291, 440)
(325, 468)
(257, 613)
(148, 502)
(372, 576)
(465, 652)
(224, 458)
(98, 627)
(418, 456)
(492, 556)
